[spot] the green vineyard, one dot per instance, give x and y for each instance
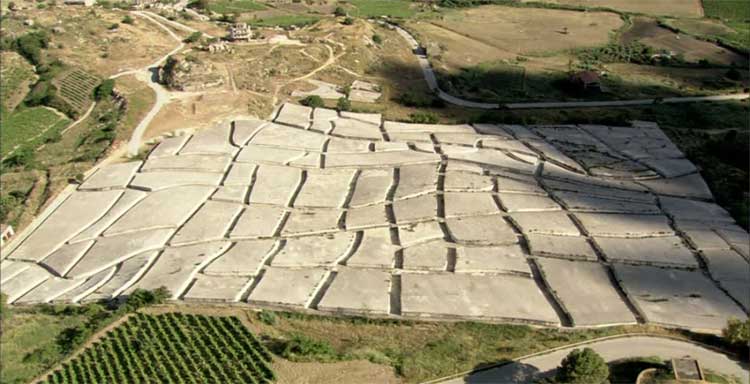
(76, 88)
(171, 348)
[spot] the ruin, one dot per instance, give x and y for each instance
(316, 210)
(240, 31)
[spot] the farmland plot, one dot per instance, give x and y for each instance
(76, 88)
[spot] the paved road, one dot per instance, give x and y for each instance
(429, 76)
(525, 370)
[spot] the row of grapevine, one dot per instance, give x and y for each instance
(76, 88)
(171, 348)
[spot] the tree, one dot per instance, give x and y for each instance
(193, 37)
(313, 101)
(128, 20)
(343, 104)
(582, 366)
(734, 74)
(377, 39)
(104, 89)
(737, 331)
(339, 11)
(348, 21)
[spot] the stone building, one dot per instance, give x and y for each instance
(240, 31)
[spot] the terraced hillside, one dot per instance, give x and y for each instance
(76, 88)
(389, 219)
(171, 348)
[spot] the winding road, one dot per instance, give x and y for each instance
(431, 79)
(525, 370)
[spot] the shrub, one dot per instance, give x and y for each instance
(339, 11)
(423, 118)
(193, 37)
(348, 20)
(737, 332)
(313, 101)
(128, 20)
(301, 347)
(141, 298)
(411, 99)
(377, 39)
(343, 104)
(267, 317)
(104, 89)
(582, 366)
(113, 26)
(22, 157)
(734, 74)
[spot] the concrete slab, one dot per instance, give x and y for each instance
(515, 183)
(274, 184)
(214, 140)
(481, 230)
(684, 186)
(413, 137)
(475, 297)
(274, 135)
(88, 287)
(244, 258)
(315, 251)
(24, 282)
(324, 188)
(469, 139)
(497, 259)
(658, 251)
(430, 256)
(416, 180)
(312, 221)
(732, 272)
(356, 291)
(233, 194)
(48, 290)
(685, 209)
(376, 250)
(586, 292)
(110, 251)
(371, 187)
(624, 225)
(240, 174)
(325, 114)
(585, 203)
(244, 129)
(356, 128)
(155, 181)
(211, 222)
(493, 130)
(545, 223)
(169, 146)
(257, 221)
(269, 155)
(176, 267)
(600, 191)
(685, 299)
(362, 96)
(490, 157)
(468, 204)
(372, 118)
(111, 176)
(76, 213)
(671, 167)
(61, 260)
(508, 145)
(568, 247)
(287, 288)
(128, 199)
(516, 202)
(398, 127)
(465, 181)
(369, 216)
(11, 268)
(197, 163)
(127, 273)
(296, 115)
(385, 146)
(161, 210)
(340, 145)
(217, 289)
(386, 159)
(415, 233)
(419, 208)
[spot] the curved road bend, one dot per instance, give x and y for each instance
(429, 76)
(525, 370)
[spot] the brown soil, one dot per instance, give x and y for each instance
(678, 8)
(354, 372)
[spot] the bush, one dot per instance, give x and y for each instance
(267, 317)
(343, 104)
(22, 157)
(128, 20)
(348, 20)
(193, 37)
(30, 46)
(734, 74)
(104, 89)
(377, 39)
(301, 347)
(411, 99)
(141, 298)
(423, 118)
(582, 366)
(737, 332)
(313, 101)
(113, 26)
(339, 11)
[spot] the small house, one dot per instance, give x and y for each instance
(240, 31)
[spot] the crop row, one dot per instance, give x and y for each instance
(171, 348)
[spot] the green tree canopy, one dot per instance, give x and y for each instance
(582, 366)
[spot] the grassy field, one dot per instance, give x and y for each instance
(735, 14)
(28, 343)
(376, 8)
(284, 20)
(235, 6)
(27, 124)
(16, 74)
(171, 348)
(678, 8)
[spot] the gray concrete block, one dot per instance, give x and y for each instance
(315, 251)
(497, 259)
(481, 230)
(287, 288)
(570, 247)
(659, 251)
(357, 291)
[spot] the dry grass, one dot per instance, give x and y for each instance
(677, 8)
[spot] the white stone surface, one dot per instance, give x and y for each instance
(324, 189)
(514, 202)
(211, 222)
(371, 187)
(430, 256)
(111, 176)
(214, 140)
(311, 221)
(419, 208)
(497, 259)
(468, 204)
(155, 181)
(169, 146)
(570, 247)
(358, 291)
(222, 289)
(244, 258)
(481, 230)
(314, 251)
(197, 163)
(546, 223)
(287, 288)
(623, 225)
(652, 250)
(366, 217)
(257, 221)
(376, 250)
(274, 185)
